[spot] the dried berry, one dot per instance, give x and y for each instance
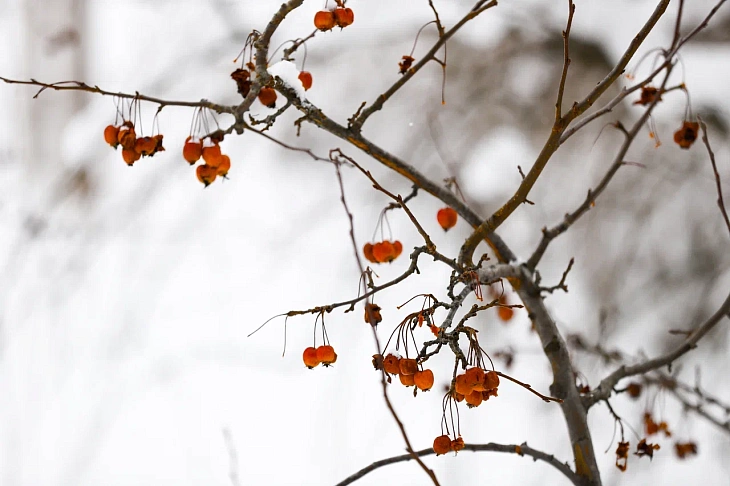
(306, 78)
(206, 174)
(267, 97)
(344, 17)
(442, 444)
(686, 136)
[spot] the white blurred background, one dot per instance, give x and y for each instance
(126, 294)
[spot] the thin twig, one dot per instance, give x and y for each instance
(566, 63)
(720, 201)
(522, 450)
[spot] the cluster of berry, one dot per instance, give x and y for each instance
(341, 17)
(132, 147)
(216, 163)
(475, 385)
(406, 369)
(385, 251)
(324, 355)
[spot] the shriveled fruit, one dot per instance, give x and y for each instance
(306, 78)
(110, 135)
(442, 444)
(390, 364)
(310, 357)
(423, 379)
(126, 136)
(326, 355)
(686, 136)
(267, 97)
(408, 366)
(206, 174)
(372, 314)
(130, 156)
(192, 151)
(344, 17)
(407, 380)
(457, 444)
(447, 218)
(324, 20)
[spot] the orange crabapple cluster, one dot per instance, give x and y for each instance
(215, 163)
(133, 147)
(340, 16)
(382, 252)
(408, 370)
(324, 355)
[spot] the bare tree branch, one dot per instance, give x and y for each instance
(522, 450)
(720, 201)
(604, 390)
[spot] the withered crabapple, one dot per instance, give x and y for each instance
(126, 136)
(407, 380)
(407, 366)
(242, 77)
(686, 136)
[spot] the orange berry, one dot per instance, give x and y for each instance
(491, 380)
(310, 358)
(441, 444)
(505, 313)
(423, 379)
(130, 156)
(458, 397)
(462, 387)
(398, 247)
(390, 364)
(407, 366)
(407, 380)
(224, 166)
(145, 146)
(474, 399)
(457, 444)
(209, 152)
(475, 378)
(384, 251)
(367, 250)
(344, 17)
(324, 20)
(326, 355)
(447, 218)
(110, 135)
(192, 151)
(306, 78)
(267, 97)
(206, 174)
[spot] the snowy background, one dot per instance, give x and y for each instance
(126, 294)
